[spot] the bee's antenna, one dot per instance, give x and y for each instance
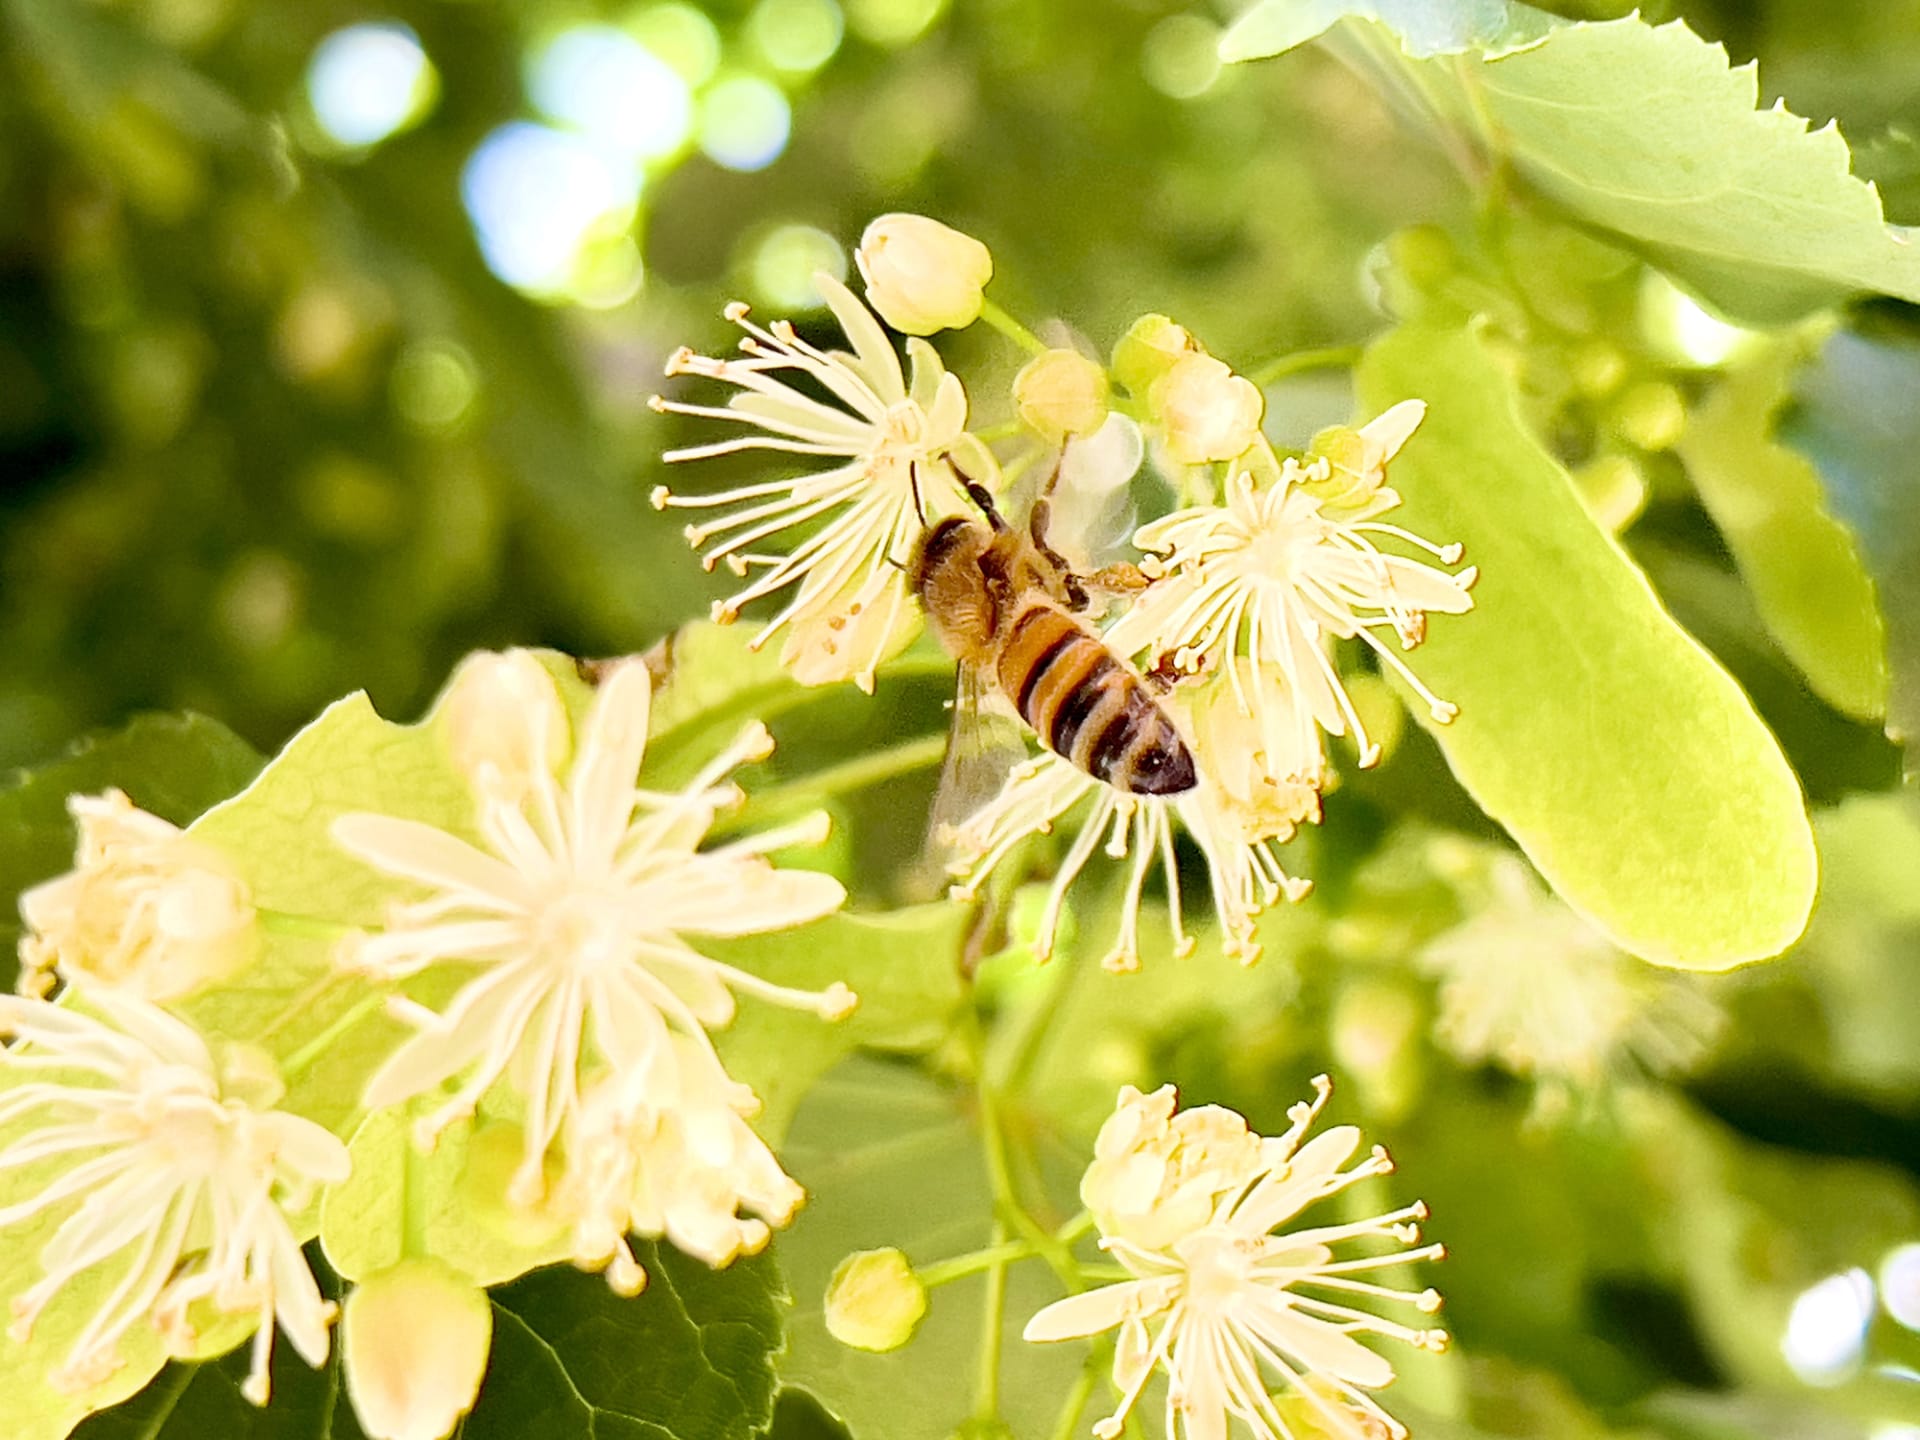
(913, 478)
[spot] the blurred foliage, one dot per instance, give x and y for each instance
(271, 430)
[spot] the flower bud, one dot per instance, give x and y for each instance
(1152, 346)
(1205, 411)
(875, 1301)
(1156, 1176)
(1651, 414)
(504, 721)
(1356, 460)
(414, 1340)
(147, 909)
(923, 276)
(1060, 393)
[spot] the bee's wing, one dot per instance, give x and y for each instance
(984, 743)
(1091, 492)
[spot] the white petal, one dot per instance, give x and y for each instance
(1316, 1345)
(1091, 1311)
(602, 782)
(425, 853)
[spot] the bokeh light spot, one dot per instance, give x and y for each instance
(892, 22)
(1900, 1284)
(785, 261)
(434, 385)
(609, 85)
(744, 122)
(537, 197)
(367, 82)
(1827, 1328)
(1181, 56)
(683, 37)
(797, 36)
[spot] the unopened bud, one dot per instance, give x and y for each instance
(1061, 393)
(504, 720)
(1205, 411)
(923, 276)
(1152, 346)
(414, 1340)
(875, 1301)
(1652, 415)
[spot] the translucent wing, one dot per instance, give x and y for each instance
(984, 742)
(1091, 492)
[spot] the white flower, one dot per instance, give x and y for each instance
(1205, 411)
(1243, 871)
(572, 919)
(679, 1165)
(146, 909)
(1275, 576)
(1530, 985)
(923, 276)
(182, 1187)
(851, 609)
(1236, 1312)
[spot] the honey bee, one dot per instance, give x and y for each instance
(1007, 607)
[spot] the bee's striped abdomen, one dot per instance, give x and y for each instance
(1087, 706)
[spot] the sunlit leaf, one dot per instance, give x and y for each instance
(1802, 565)
(904, 966)
(1621, 757)
(1855, 419)
(1647, 131)
(889, 1157)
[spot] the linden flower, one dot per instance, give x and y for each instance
(146, 908)
(1531, 986)
(681, 1165)
(889, 439)
(1274, 575)
(572, 916)
(1220, 1297)
(183, 1188)
(1243, 870)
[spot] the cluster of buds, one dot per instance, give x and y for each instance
(1235, 612)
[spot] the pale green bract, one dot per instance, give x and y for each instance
(1646, 131)
(1623, 759)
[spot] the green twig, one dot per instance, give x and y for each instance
(1075, 1405)
(942, 1272)
(1327, 357)
(1011, 328)
(993, 1315)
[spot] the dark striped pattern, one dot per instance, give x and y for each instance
(1088, 707)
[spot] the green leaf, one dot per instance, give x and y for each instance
(904, 966)
(889, 1157)
(1424, 27)
(1648, 132)
(691, 1358)
(1856, 420)
(1623, 759)
(1802, 564)
(173, 765)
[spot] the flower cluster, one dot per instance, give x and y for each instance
(1246, 1320)
(1235, 613)
(168, 1180)
(584, 995)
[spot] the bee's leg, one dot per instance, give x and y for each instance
(982, 497)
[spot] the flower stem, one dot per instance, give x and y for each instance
(1006, 1197)
(1011, 328)
(792, 797)
(959, 1267)
(1329, 357)
(1075, 1405)
(986, 1402)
